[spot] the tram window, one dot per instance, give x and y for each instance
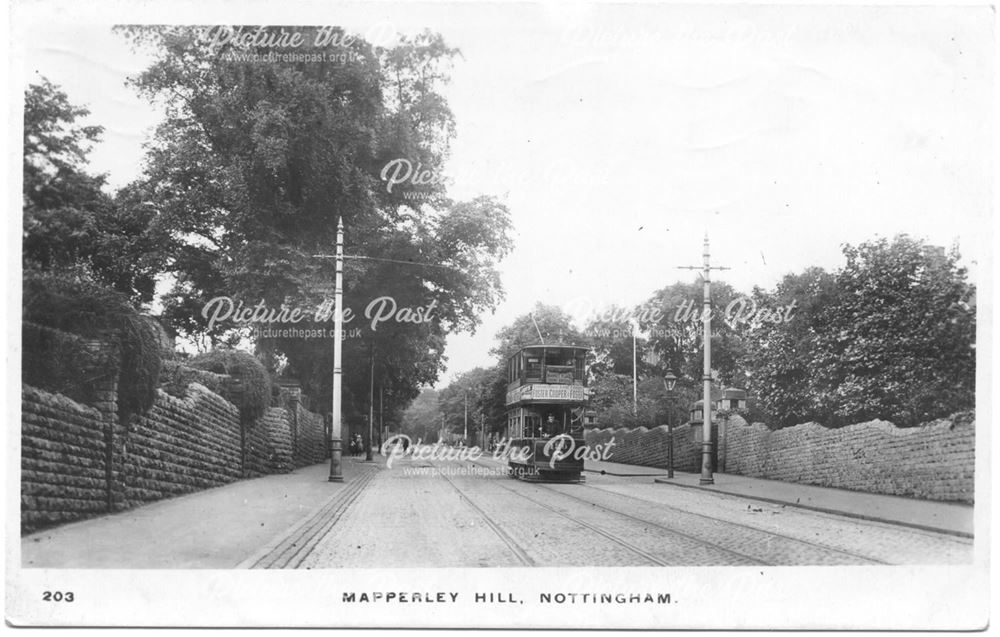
(534, 368)
(532, 426)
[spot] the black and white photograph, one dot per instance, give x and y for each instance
(500, 315)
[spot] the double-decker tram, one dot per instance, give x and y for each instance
(546, 400)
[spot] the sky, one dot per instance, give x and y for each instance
(619, 134)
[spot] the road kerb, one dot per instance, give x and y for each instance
(811, 507)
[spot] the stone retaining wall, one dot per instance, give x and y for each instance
(180, 446)
(648, 447)
(310, 437)
(78, 460)
(935, 461)
(63, 469)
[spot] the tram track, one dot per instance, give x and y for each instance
(616, 539)
(754, 529)
(624, 543)
(522, 556)
(785, 538)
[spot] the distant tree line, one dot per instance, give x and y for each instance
(889, 335)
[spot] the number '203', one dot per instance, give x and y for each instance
(57, 596)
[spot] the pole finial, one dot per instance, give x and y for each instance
(340, 223)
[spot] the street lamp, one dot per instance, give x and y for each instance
(669, 382)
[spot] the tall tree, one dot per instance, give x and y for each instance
(549, 321)
(69, 221)
(780, 356)
(891, 335)
(673, 317)
(472, 393)
(611, 337)
(900, 343)
(257, 161)
(422, 418)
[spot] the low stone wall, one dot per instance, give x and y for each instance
(648, 447)
(79, 461)
(935, 461)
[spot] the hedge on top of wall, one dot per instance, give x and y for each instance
(112, 340)
(175, 376)
(250, 386)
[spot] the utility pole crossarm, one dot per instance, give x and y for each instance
(362, 257)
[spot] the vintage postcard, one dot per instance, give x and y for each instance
(500, 315)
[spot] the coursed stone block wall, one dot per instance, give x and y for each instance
(935, 461)
(269, 444)
(63, 468)
(78, 461)
(310, 439)
(181, 445)
(649, 447)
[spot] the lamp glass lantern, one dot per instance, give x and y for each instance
(669, 381)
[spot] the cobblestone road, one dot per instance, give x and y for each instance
(451, 514)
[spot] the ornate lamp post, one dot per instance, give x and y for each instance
(669, 382)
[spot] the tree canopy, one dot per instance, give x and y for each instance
(69, 222)
(256, 162)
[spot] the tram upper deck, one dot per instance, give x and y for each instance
(546, 391)
(546, 402)
(547, 365)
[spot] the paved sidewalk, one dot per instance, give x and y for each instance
(186, 532)
(930, 515)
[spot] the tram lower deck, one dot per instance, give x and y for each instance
(546, 459)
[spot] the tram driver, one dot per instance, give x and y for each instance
(551, 426)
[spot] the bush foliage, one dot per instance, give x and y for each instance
(176, 376)
(61, 362)
(77, 332)
(250, 385)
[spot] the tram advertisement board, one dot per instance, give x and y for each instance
(546, 393)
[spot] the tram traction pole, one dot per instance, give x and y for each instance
(336, 473)
(706, 403)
